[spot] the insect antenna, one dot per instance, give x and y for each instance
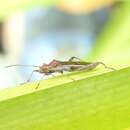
(21, 66)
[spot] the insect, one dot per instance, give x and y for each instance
(73, 64)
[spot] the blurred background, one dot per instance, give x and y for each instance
(33, 33)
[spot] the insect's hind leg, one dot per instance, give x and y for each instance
(106, 67)
(41, 79)
(72, 58)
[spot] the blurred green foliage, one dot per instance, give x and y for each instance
(113, 45)
(95, 100)
(9, 6)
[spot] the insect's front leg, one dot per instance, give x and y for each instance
(28, 80)
(39, 82)
(45, 74)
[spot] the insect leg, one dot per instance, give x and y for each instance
(70, 77)
(39, 82)
(72, 58)
(101, 63)
(28, 80)
(42, 78)
(61, 72)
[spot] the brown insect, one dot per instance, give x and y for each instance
(73, 64)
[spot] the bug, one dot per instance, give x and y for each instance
(73, 64)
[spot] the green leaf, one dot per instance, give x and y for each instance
(96, 100)
(93, 101)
